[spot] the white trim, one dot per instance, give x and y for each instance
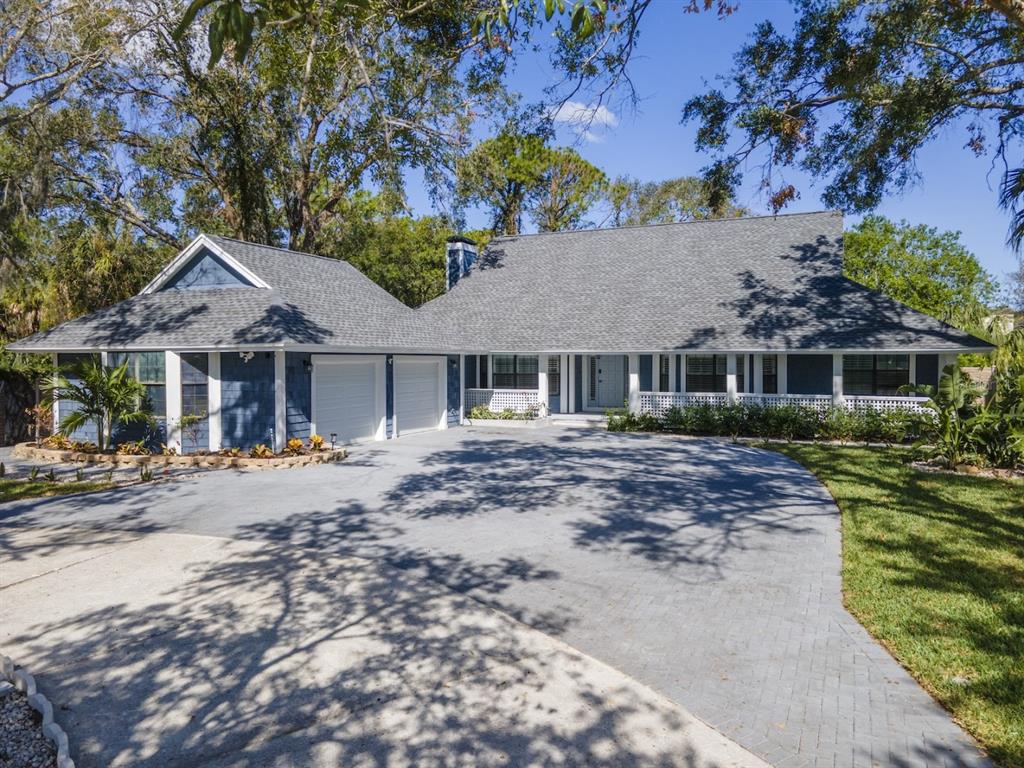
(758, 374)
(542, 384)
(379, 395)
(730, 378)
(179, 261)
(633, 363)
(913, 367)
(782, 372)
(837, 378)
(56, 400)
(442, 389)
(682, 373)
(280, 401)
(563, 383)
(672, 359)
(462, 388)
(213, 400)
(572, 383)
(172, 388)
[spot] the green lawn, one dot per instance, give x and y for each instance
(12, 490)
(933, 566)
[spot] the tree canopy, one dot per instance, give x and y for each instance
(928, 270)
(632, 202)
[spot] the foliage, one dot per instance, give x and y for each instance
(145, 473)
(15, 490)
(932, 567)
(316, 442)
(925, 269)
(133, 448)
(104, 396)
(483, 412)
(687, 198)
(569, 187)
(294, 446)
(191, 424)
(261, 451)
(857, 90)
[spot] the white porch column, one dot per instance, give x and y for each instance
(542, 383)
(837, 379)
(213, 400)
(944, 360)
(172, 381)
(913, 368)
(563, 383)
(730, 378)
(634, 383)
(489, 384)
(682, 372)
(462, 388)
(655, 373)
(672, 373)
(782, 373)
(572, 384)
(56, 401)
(758, 374)
(280, 401)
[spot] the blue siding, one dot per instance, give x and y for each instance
(646, 368)
(247, 399)
(454, 392)
(578, 383)
(205, 270)
(298, 394)
(928, 370)
(389, 396)
(555, 403)
(471, 371)
(87, 432)
(809, 374)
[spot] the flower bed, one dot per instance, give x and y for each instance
(228, 458)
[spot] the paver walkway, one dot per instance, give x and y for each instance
(706, 570)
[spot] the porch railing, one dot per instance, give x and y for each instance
(498, 400)
(658, 403)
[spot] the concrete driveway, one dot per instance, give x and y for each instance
(707, 571)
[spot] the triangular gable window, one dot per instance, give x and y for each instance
(206, 270)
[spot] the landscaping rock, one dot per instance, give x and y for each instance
(22, 742)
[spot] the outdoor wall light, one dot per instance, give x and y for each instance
(246, 356)
(307, 366)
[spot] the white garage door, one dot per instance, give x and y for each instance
(419, 394)
(348, 398)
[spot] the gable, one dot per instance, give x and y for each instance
(206, 270)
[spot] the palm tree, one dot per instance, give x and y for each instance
(105, 397)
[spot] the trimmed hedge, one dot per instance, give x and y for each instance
(787, 422)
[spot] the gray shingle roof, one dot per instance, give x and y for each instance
(768, 283)
(312, 300)
(765, 283)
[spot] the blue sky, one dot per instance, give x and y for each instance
(679, 52)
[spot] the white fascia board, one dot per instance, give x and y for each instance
(179, 261)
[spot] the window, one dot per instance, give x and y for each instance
(770, 374)
(515, 371)
(875, 374)
(148, 369)
(705, 373)
(194, 384)
(663, 372)
(555, 375)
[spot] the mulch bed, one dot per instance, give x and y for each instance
(22, 743)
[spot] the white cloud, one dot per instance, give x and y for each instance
(587, 119)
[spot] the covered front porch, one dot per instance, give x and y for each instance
(654, 382)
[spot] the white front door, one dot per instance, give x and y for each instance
(607, 384)
(348, 397)
(420, 397)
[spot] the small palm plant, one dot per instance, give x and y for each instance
(954, 402)
(105, 397)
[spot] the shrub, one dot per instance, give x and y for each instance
(260, 451)
(133, 448)
(58, 442)
(316, 442)
(168, 450)
(294, 446)
(232, 452)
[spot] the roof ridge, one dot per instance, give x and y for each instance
(283, 250)
(822, 212)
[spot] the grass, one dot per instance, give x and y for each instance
(933, 566)
(13, 490)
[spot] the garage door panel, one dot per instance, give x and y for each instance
(418, 392)
(346, 399)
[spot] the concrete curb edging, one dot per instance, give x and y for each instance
(25, 683)
(31, 451)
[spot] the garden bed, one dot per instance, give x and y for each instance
(532, 423)
(34, 452)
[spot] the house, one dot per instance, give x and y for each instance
(271, 344)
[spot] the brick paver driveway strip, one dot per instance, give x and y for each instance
(708, 571)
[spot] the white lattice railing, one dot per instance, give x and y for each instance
(658, 403)
(498, 400)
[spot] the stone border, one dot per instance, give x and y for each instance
(506, 423)
(30, 451)
(24, 682)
